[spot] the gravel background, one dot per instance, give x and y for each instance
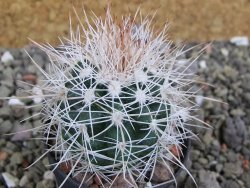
(220, 159)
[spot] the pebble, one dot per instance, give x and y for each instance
(23, 181)
(16, 158)
(246, 179)
(38, 93)
(234, 133)
(240, 40)
(224, 51)
(48, 175)
(22, 133)
(161, 173)
(199, 100)
(202, 64)
(6, 126)
(208, 179)
(5, 91)
(10, 180)
(232, 169)
(230, 184)
(7, 57)
(15, 102)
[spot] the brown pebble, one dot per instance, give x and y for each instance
(97, 180)
(30, 77)
(161, 172)
(94, 185)
(3, 155)
(88, 178)
(65, 167)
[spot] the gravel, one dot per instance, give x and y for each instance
(220, 159)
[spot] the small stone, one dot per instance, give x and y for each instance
(208, 179)
(240, 41)
(234, 132)
(38, 93)
(23, 181)
(203, 161)
(97, 180)
(224, 51)
(3, 155)
(161, 173)
(121, 182)
(199, 99)
(237, 112)
(5, 91)
(10, 180)
(218, 167)
(48, 175)
(30, 77)
(6, 126)
(86, 178)
(232, 169)
(208, 138)
(16, 158)
(195, 154)
(232, 156)
(10, 146)
(15, 102)
(230, 184)
(197, 166)
(246, 179)
(7, 57)
(202, 64)
(94, 185)
(22, 132)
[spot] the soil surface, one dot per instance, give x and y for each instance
(191, 20)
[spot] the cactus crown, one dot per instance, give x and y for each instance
(115, 99)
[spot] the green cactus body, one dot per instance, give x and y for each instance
(133, 135)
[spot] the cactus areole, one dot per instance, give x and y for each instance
(117, 100)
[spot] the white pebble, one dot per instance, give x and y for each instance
(148, 185)
(7, 57)
(199, 99)
(203, 64)
(224, 51)
(38, 93)
(23, 181)
(240, 41)
(10, 180)
(15, 102)
(48, 175)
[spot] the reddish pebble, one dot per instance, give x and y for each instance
(93, 186)
(246, 164)
(224, 147)
(3, 155)
(25, 163)
(97, 180)
(65, 167)
(175, 151)
(30, 77)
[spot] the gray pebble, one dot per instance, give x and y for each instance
(246, 179)
(6, 127)
(208, 179)
(230, 184)
(5, 91)
(232, 169)
(16, 158)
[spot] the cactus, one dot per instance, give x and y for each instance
(115, 100)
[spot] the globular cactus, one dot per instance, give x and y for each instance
(116, 100)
